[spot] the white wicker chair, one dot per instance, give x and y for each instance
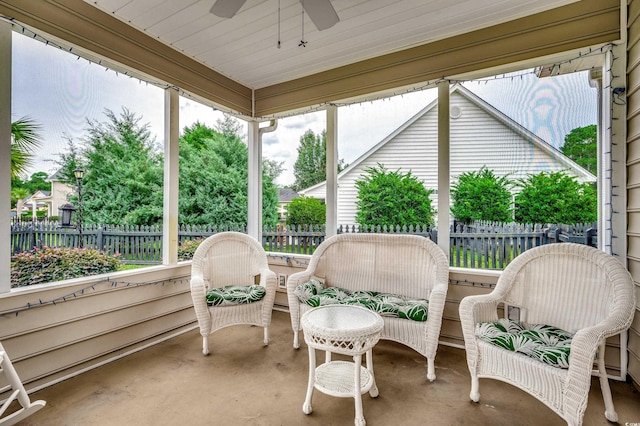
(574, 287)
(408, 265)
(231, 258)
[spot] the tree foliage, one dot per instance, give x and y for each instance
(213, 187)
(310, 167)
(481, 195)
(122, 182)
(392, 198)
(22, 189)
(25, 139)
(581, 145)
(555, 197)
(306, 211)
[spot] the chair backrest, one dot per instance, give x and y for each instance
(403, 264)
(229, 258)
(567, 285)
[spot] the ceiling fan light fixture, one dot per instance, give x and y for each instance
(226, 8)
(321, 12)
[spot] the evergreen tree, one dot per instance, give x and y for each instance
(122, 181)
(310, 167)
(581, 145)
(214, 179)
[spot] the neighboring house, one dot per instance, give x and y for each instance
(33, 203)
(51, 200)
(60, 192)
(480, 135)
(285, 195)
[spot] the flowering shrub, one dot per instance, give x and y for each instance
(188, 248)
(57, 264)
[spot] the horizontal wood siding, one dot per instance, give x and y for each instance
(633, 176)
(92, 320)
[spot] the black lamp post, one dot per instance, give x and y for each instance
(79, 173)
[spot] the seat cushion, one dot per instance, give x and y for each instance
(235, 295)
(545, 343)
(314, 293)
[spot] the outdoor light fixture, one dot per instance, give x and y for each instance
(79, 174)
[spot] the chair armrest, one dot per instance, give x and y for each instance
(479, 308)
(294, 281)
(474, 309)
(584, 346)
(268, 280)
(198, 295)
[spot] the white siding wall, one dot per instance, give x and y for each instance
(477, 139)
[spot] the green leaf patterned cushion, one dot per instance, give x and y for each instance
(306, 290)
(234, 295)
(545, 343)
(386, 304)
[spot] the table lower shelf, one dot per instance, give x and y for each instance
(337, 378)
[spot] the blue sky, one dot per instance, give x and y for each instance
(61, 91)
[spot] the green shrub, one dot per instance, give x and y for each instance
(392, 198)
(481, 195)
(555, 197)
(188, 248)
(306, 211)
(57, 264)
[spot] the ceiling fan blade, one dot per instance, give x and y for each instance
(226, 8)
(321, 13)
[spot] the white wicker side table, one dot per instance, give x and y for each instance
(347, 330)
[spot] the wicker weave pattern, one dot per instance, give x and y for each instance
(401, 264)
(231, 258)
(574, 287)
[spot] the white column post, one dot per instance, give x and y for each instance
(443, 166)
(5, 156)
(254, 202)
(331, 199)
(171, 176)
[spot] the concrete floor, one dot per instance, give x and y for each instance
(244, 383)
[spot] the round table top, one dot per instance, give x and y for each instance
(342, 321)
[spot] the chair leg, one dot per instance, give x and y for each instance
(609, 410)
(296, 340)
(266, 336)
(475, 388)
(431, 369)
(205, 345)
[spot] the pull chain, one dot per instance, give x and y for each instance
(302, 42)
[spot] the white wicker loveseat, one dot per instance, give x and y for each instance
(406, 265)
(561, 290)
(236, 262)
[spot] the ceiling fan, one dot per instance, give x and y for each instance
(321, 12)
